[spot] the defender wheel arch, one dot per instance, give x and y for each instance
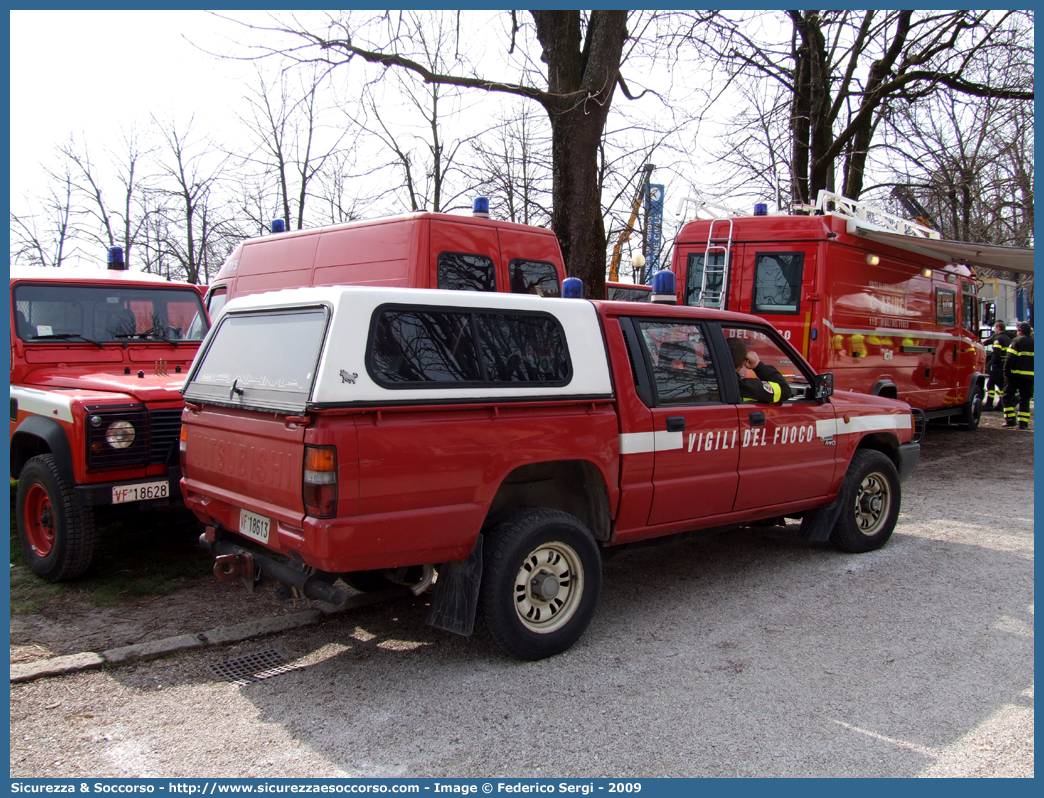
(40, 435)
(885, 388)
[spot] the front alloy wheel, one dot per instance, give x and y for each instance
(873, 502)
(870, 498)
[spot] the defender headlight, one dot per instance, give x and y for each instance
(120, 434)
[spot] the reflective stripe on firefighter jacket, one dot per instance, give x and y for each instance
(1000, 342)
(1019, 362)
(770, 385)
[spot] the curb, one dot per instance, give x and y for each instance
(224, 635)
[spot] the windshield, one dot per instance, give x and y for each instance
(266, 360)
(62, 312)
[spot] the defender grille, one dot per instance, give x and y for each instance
(100, 454)
(164, 430)
(156, 435)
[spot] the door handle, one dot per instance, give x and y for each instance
(676, 423)
(757, 419)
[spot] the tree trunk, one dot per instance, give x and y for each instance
(581, 80)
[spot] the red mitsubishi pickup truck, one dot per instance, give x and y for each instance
(496, 444)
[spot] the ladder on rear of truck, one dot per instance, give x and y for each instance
(716, 273)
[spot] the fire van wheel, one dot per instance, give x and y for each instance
(57, 536)
(870, 499)
(973, 410)
(540, 582)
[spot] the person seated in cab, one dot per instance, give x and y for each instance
(769, 386)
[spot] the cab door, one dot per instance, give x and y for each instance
(695, 436)
(785, 452)
(945, 372)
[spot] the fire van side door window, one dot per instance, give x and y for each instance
(785, 454)
(695, 432)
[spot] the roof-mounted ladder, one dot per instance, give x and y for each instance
(716, 246)
(862, 215)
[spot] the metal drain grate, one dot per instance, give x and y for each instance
(253, 667)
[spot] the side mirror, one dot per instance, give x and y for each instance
(824, 386)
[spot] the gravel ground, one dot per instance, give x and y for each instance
(747, 653)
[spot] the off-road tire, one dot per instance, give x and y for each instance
(547, 544)
(973, 410)
(870, 500)
(57, 535)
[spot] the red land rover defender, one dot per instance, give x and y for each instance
(97, 361)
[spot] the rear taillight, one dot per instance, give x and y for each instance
(182, 448)
(319, 488)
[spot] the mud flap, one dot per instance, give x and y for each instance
(456, 596)
(817, 525)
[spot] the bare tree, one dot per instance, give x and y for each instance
(843, 70)
(337, 191)
(967, 163)
(513, 167)
(121, 223)
(44, 238)
(285, 119)
(580, 55)
(189, 187)
(415, 121)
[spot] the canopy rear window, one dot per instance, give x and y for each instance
(266, 360)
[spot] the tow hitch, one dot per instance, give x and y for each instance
(230, 567)
(234, 562)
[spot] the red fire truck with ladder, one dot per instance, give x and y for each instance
(886, 304)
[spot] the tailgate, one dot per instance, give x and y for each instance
(251, 461)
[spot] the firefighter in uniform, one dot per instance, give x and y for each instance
(769, 386)
(995, 381)
(1018, 373)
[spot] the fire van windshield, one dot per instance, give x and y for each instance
(64, 313)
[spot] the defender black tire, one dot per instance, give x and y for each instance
(973, 410)
(870, 500)
(57, 535)
(541, 577)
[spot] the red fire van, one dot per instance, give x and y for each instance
(417, 250)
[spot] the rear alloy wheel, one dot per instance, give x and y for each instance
(57, 535)
(540, 582)
(870, 499)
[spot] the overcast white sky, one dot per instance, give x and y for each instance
(88, 71)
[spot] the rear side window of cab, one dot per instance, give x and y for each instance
(453, 347)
